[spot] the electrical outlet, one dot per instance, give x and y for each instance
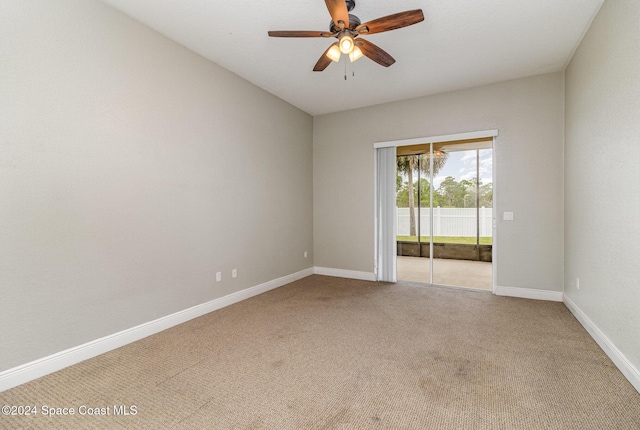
(577, 283)
(234, 273)
(218, 276)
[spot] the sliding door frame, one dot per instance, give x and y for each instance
(492, 133)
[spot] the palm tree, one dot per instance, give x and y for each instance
(407, 164)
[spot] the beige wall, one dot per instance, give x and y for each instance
(528, 161)
(132, 170)
(602, 202)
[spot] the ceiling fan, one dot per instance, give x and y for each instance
(347, 27)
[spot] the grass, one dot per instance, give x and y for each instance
(468, 240)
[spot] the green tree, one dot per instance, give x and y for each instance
(450, 192)
(402, 196)
(410, 164)
(454, 194)
(486, 195)
(399, 183)
(425, 193)
(469, 193)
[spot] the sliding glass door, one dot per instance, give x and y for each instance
(444, 213)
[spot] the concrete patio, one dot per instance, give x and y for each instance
(458, 273)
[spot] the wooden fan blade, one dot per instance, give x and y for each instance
(324, 61)
(300, 34)
(338, 11)
(374, 52)
(391, 22)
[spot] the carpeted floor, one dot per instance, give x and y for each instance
(325, 353)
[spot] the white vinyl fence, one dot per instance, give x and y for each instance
(448, 221)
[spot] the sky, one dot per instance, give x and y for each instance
(462, 165)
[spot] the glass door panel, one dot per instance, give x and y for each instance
(444, 207)
(461, 241)
(412, 201)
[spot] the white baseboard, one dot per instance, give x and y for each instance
(618, 358)
(529, 293)
(41, 367)
(341, 273)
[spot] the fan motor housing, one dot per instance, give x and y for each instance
(354, 21)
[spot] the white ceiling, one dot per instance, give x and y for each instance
(460, 44)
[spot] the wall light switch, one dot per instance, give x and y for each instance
(234, 273)
(507, 216)
(218, 276)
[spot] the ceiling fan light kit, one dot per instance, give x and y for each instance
(347, 28)
(355, 54)
(346, 44)
(334, 53)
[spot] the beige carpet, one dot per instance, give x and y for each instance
(325, 353)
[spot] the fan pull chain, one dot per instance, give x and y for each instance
(353, 71)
